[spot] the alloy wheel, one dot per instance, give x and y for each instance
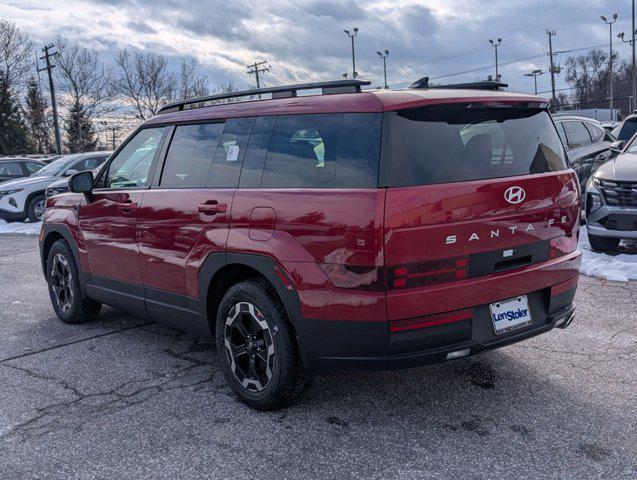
(39, 208)
(249, 346)
(61, 282)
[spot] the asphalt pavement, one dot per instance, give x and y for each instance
(127, 399)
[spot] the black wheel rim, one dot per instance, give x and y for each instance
(249, 346)
(38, 209)
(61, 285)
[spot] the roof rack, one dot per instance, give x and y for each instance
(284, 91)
(484, 85)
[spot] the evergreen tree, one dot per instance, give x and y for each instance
(80, 135)
(37, 117)
(14, 133)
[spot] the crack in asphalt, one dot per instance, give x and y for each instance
(74, 342)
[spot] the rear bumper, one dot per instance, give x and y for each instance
(333, 344)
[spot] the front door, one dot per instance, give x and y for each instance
(109, 221)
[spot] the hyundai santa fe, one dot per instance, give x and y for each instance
(346, 229)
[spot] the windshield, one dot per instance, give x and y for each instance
(627, 130)
(55, 168)
(458, 143)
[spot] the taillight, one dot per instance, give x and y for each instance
(430, 320)
(563, 245)
(428, 273)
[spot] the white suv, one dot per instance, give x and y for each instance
(24, 198)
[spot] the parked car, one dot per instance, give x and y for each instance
(25, 198)
(378, 229)
(62, 185)
(609, 126)
(12, 168)
(611, 200)
(586, 142)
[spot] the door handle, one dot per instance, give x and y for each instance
(127, 207)
(212, 207)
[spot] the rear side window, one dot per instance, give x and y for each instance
(10, 169)
(323, 151)
(256, 151)
(32, 167)
(577, 134)
(465, 142)
(226, 164)
(596, 133)
(190, 155)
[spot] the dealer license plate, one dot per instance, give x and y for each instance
(511, 314)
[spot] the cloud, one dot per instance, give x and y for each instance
(303, 40)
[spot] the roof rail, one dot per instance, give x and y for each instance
(484, 85)
(284, 91)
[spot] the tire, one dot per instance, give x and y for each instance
(254, 305)
(35, 209)
(603, 244)
(63, 279)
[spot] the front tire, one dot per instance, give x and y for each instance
(603, 244)
(257, 348)
(64, 287)
(36, 207)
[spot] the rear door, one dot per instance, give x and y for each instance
(185, 216)
(467, 182)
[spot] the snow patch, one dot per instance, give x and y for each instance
(19, 227)
(618, 268)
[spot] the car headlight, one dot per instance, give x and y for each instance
(4, 193)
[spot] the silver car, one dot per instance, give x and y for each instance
(25, 198)
(611, 199)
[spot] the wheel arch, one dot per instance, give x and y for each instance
(51, 234)
(30, 196)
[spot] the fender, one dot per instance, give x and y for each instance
(65, 232)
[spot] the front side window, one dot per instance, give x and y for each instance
(597, 133)
(32, 167)
(430, 145)
(10, 169)
(190, 155)
(131, 167)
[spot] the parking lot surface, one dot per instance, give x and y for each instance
(124, 398)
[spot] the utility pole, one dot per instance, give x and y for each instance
(551, 33)
(47, 57)
(610, 62)
(384, 56)
(352, 35)
(256, 68)
(535, 74)
(496, 44)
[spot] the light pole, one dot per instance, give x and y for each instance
(384, 56)
(496, 44)
(631, 42)
(352, 35)
(610, 62)
(535, 74)
(105, 124)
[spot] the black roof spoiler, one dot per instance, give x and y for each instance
(483, 85)
(284, 91)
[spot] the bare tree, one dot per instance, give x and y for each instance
(192, 83)
(16, 53)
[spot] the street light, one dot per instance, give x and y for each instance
(610, 61)
(384, 57)
(352, 35)
(535, 74)
(622, 35)
(496, 44)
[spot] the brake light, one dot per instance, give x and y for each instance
(430, 320)
(563, 245)
(429, 273)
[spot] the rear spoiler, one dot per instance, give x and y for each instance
(484, 85)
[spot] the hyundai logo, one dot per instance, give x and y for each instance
(514, 195)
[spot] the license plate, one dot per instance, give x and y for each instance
(510, 314)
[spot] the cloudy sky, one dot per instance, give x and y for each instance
(303, 40)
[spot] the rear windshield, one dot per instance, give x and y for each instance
(458, 143)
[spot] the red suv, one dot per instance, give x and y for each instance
(348, 229)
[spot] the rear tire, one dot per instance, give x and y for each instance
(64, 287)
(35, 209)
(257, 349)
(603, 244)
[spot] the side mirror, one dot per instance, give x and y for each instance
(70, 173)
(82, 183)
(617, 146)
